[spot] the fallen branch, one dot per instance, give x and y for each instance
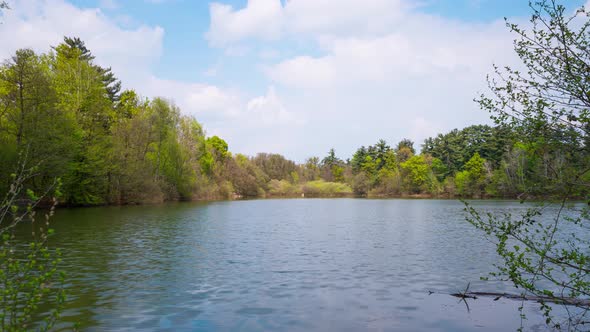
(465, 294)
(535, 298)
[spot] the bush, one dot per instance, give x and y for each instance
(326, 189)
(361, 184)
(282, 188)
(390, 183)
(29, 272)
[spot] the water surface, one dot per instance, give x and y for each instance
(284, 265)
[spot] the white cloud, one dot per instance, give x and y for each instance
(344, 17)
(269, 110)
(260, 18)
(269, 19)
(437, 50)
(213, 104)
(304, 72)
(39, 24)
(380, 69)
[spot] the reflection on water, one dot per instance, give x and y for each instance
(297, 265)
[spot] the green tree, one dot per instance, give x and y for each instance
(132, 171)
(30, 121)
(406, 143)
(405, 150)
(548, 106)
(312, 169)
(472, 180)
(477, 174)
(111, 83)
(332, 167)
(415, 171)
(331, 158)
(81, 96)
(219, 147)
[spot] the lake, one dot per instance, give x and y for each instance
(282, 265)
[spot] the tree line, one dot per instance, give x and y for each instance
(70, 120)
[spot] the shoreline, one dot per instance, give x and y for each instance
(299, 197)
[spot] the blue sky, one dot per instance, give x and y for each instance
(295, 77)
(187, 55)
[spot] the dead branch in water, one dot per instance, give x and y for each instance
(544, 299)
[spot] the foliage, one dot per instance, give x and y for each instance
(458, 146)
(360, 184)
(472, 180)
(547, 105)
(29, 272)
(275, 166)
(282, 188)
(326, 189)
(415, 171)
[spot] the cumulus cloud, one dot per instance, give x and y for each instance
(269, 110)
(260, 18)
(414, 51)
(344, 17)
(304, 72)
(379, 68)
(269, 19)
(39, 24)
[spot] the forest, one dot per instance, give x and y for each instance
(69, 120)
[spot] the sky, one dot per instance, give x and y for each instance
(295, 77)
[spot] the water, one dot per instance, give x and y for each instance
(283, 265)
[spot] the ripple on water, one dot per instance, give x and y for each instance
(302, 265)
(255, 311)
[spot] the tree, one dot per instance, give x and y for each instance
(406, 143)
(81, 97)
(275, 166)
(311, 169)
(405, 150)
(218, 146)
(415, 171)
(29, 274)
(548, 106)
(111, 83)
(112, 147)
(361, 184)
(332, 167)
(30, 121)
(472, 180)
(358, 159)
(330, 159)
(244, 176)
(381, 154)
